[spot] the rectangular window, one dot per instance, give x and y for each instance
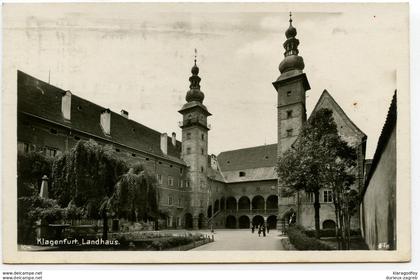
(202, 151)
(159, 178)
(289, 93)
(181, 170)
(188, 150)
(310, 197)
(23, 147)
(187, 183)
(179, 201)
(170, 200)
(242, 174)
(170, 181)
(188, 135)
(50, 152)
(289, 132)
(289, 114)
(328, 196)
(202, 136)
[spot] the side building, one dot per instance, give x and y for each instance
(378, 207)
(51, 121)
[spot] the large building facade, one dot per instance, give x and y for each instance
(234, 189)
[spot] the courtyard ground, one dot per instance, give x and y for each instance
(241, 239)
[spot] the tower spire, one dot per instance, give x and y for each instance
(195, 56)
(195, 94)
(291, 61)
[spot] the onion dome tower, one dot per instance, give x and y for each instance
(195, 94)
(195, 149)
(291, 87)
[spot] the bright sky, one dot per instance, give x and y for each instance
(138, 58)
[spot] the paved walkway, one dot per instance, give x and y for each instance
(241, 239)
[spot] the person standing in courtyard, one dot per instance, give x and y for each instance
(268, 229)
(263, 230)
(259, 231)
(252, 229)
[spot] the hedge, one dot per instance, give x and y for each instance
(302, 242)
(329, 232)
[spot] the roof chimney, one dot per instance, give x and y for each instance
(124, 113)
(173, 138)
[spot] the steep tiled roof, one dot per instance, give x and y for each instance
(389, 126)
(43, 100)
(326, 100)
(248, 158)
(254, 174)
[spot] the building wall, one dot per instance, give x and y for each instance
(326, 212)
(379, 203)
(173, 195)
(291, 96)
(238, 201)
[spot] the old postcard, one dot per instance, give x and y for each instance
(206, 133)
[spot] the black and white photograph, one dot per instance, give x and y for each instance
(206, 132)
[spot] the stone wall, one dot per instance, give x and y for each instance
(378, 209)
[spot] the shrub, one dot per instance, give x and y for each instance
(31, 167)
(303, 242)
(329, 233)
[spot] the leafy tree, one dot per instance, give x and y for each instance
(314, 160)
(86, 176)
(30, 169)
(136, 196)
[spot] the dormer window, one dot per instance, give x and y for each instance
(289, 93)
(66, 105)
(106, 121)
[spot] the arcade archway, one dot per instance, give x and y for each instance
(244, 222)
(201, 221)
(328, 224)
(244, 203)
(216, 206)
(188, 218)
(272, 202)
(230, 221)
(231, 203)
(272, 222)
(222, 203)
(258, 203)
(258, 220)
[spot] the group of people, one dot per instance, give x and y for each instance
(261, 229)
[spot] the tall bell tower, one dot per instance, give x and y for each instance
(195, 147)
(291, 87)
